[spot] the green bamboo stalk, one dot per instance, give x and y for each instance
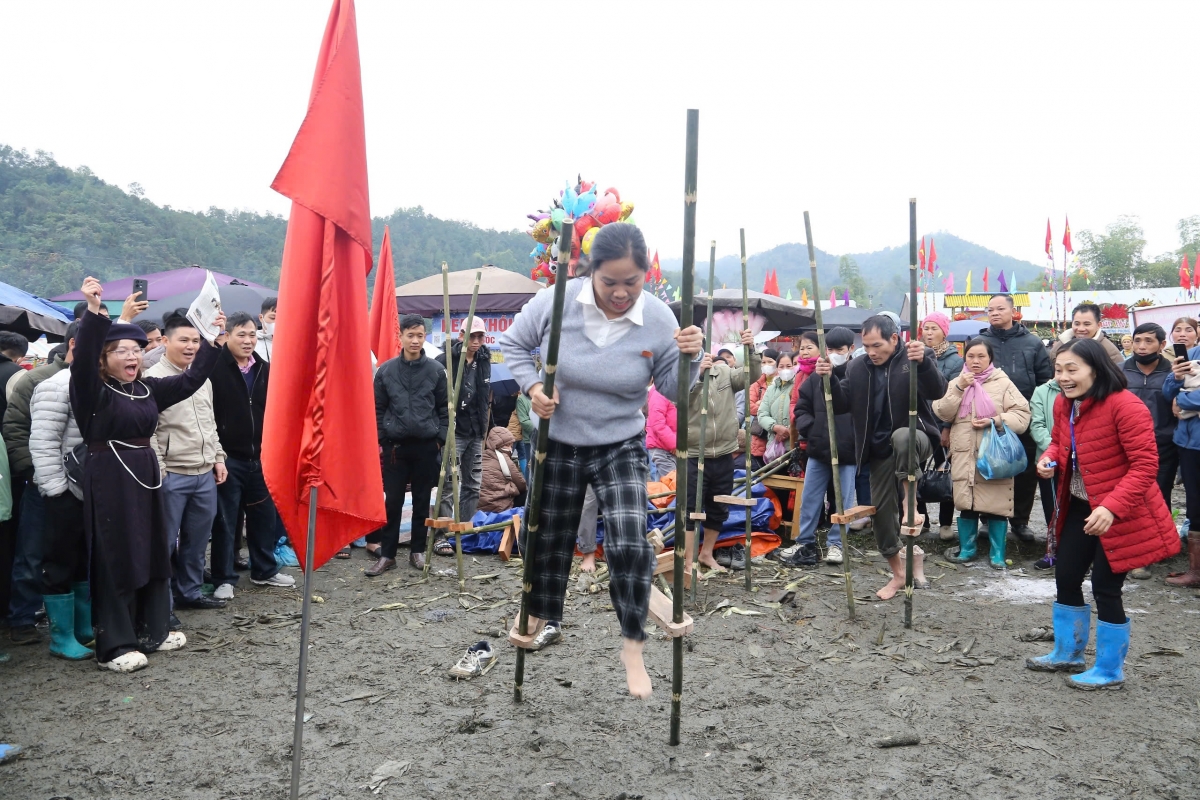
(755, 476)
(697, 528)
(911, 489)
(681, 436)
(746, 354)
(451, 404)
(549, 367)
(458, 554)
(833, 448)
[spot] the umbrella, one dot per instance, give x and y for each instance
(499, 291)
(234, 298)
(162, 284)
(778, 314)
(30, 315)
(851, 317)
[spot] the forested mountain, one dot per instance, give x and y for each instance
(58, 225)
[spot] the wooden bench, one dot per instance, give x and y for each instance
(789, 484)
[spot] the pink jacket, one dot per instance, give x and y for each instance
(660, 423)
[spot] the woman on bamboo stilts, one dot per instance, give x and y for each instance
(980, 395)
(618, 338)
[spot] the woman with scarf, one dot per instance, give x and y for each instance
(980, 396)
(934, 330)
(806, 361)
(775, 409)
(117, 410)
(759, 436)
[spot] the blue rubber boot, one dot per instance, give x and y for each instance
(1112, 645)
(1071, 626)
(60, 610)
(968, 530)
(83, 613)
(997, 538)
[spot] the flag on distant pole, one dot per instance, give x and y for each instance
(921, 256)
(932, 255)
(845, 297)
(948, 284)
(1067, 237)
(1000, 280)
(968, 281)
(1195, 272)
(789, 294)
(985, 279)
(385, 322)
(832, 299)
(1185, 280)
(804, 297)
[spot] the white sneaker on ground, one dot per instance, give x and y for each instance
(174, 641)
(278, 580)
(130, 662)
(833, 555)
(223, 592)
(788, 552)
(479, 657)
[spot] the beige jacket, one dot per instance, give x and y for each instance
(186, 440)
(721, 437)
(1113, 351)
(971, 492)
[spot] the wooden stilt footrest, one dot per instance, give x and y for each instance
(666, 566)
(698, 516)
(852, 514)
(661, 612)
(509, 539)
(524, 642)
(915, 529)
(440, 522)
(731, 500)
(459, 527)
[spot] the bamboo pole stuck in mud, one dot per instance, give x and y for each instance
(451, 403)
(458, 554)
(746, 353)
(911, 488)
(698, 528)
(549, 367)
(833, 448)
(681, 406)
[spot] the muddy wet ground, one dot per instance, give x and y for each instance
(784, 703)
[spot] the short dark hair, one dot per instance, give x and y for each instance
(174, 320)
(1109, 379)
(1011, 303)
(269, 304)
(1151, 327)
(13, 343)
(788, 354)
(1090, 308)
(147, 325)
(811, 336)
(409, 321)
(882, 324)
(72, 331)
(615, 241)
(80, 309)
(839, 337)
(770, 353)
(981, 342)
(237, 319)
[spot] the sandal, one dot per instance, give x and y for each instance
(374, 551)
(343, 553)
(444, 547)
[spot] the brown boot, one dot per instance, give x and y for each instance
(1191, 578)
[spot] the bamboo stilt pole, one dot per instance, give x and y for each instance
(458, 554)
(829, 415)
(549, 367)
(698, 529)
(451, 404)
(685, 381)
(746, 354)
(911, 488)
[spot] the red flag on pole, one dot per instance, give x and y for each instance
(1195, 271)
(932, 255)
(985, 276)
(385, 322)
(319, 429)
(1066, 235)
(921, 256)
(1185, 280)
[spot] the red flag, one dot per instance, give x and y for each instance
(932, 255)
(385, 323)
(985, 273)
(771, 284)
(1066, 236)
(1049, 241)
(654, 274)
(319, 429)
(921, 256)
(1195, 271)
(1184, 280)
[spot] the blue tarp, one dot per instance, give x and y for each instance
(12, 296)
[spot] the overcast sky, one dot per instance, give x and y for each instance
(994, 115)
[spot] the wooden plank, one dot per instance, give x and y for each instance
(665, 562)
(509, 538)
(852, 514)
(914, 531)
(731, 500)
(525, 642)
(698, 516)
(459, 527)
(440, 522)
(662, 612)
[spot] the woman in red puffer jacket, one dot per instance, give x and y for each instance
(1109, 517)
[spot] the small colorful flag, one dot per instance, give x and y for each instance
(968, 281)
(845, 297)
(804, 297)
(932, 255)
(985, 279)
(948, 284)
(1066, 236)
(1002, 282)
(921, 256)
(1184, 279)
(832, 299)
(789, 295)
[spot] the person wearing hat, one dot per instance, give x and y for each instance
(934, 330)
(471, 415)
(117, 409)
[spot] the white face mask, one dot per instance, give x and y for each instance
(768, 369)
(268, 329)
(837, 359)
(786, 375)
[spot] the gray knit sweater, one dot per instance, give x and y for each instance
(601, 390)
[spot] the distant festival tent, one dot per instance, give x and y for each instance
(499, 291)
(30, 315)
(161, 285)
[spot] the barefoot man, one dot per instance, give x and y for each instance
(874, 391)
(614, 339)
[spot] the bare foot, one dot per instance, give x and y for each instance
(896, 562)
(589, 563)
(636, 677)
(707, 560)
(919, 580)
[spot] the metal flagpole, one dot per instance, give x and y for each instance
(305, 608)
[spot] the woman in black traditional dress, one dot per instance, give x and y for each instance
(117, 411)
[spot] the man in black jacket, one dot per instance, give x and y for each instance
(1025, 361)
(1145, 372)
(875, 393)
(239, 387)
(412, 421)
(470, 416)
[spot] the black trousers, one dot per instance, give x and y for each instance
(1077, 551)
(1189, 464)
(1046, 492)
(64, 546)
(413, 461)
(137, 619)
(1168, 466)
(718, 479)
(1025, 484)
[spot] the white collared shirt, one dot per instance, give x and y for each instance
(598, 327)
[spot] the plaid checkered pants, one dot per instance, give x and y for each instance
(618, 475)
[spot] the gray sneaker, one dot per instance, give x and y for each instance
(479, 657)
(550, 634)
(737, 557)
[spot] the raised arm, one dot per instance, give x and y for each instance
(177, 388)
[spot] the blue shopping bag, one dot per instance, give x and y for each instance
(1001, 454)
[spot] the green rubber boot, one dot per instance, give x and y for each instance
(83, 614)
(968, 529)
(997, 538)
(60, 610)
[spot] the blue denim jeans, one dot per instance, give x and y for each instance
(27, 559)
(818, 477)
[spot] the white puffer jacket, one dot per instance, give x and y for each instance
(53, 434)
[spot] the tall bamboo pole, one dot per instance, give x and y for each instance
(911, 489)
(699, 529)
(458, 554)
(681, 406)
(549, 367)
(451, 404)
(746, 354)
(829, 417)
